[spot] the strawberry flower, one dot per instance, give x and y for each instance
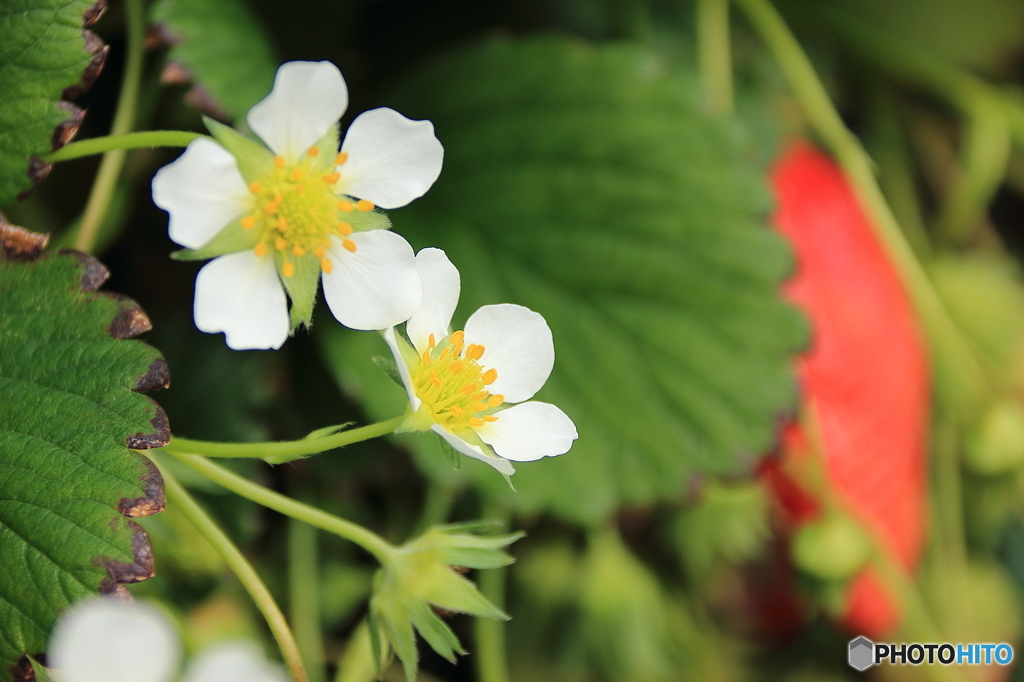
(278, 216)
(464, 385)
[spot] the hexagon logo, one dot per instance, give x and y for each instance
(861, 654)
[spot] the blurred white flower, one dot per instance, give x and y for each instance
(279, 216)
(461, 384)
(103, 640)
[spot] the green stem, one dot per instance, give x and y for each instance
(713, 51)
(107, 143)
(371, 542)
(963, 383)
(489, 633)
(304, 596)
(176, 495)
(281, 451)
(124, 118)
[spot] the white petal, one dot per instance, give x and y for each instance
(239, 294)
(391, 159)
(474, 451)
(403, 371)
(376, 286)
(307, 99)
(203, 191)
(233, 662)
(441, 287)
(102, 640)
(529, 431)
(517, 343)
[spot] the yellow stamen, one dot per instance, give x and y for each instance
(474, 351)
(346, 206)
(270, 208)
(319, 252)
(282, 224)
(431, 342)
(456, 367)
(468, 389)
(313, 152)
(480, 396)
(495, 400)
(479, 407)
(280, 243)
(298, 251)
(426, 358)
(326, 265)
(456, 410)
(279, 162)
(297, 174)
(458, 337)
(344, 229)
(288, 269)
(248, 222)
(490, 418)
(349, 245)
(364, 205)
(473, 421)
(261, 249)
(256, 188)
(341, 158)
(490, 376)
(331, 178)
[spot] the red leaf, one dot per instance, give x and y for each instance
(865, 377)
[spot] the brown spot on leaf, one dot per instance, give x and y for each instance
(140, 568)
(94, 273)
(95, 46)
(156, 377)
(175, 73)
(160, 35)
(68, 128)
(159, 438)
(37, 172)
(20, 244)
(130, 320)
(201, 99)
(111, 590)
(22, 671)
(152, 502)
(93, 14)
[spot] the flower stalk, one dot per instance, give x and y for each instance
(139, 140)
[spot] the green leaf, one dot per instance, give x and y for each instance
(222, 45)
(587, 184)
(44, 56)
(69, 410)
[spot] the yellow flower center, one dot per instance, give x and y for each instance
(297, 212)
(452, 384)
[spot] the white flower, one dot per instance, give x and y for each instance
(102, 640)
(280, 215)
(461, 384)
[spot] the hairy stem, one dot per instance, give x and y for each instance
(281, 451)
(371, 542)
(240, 566)
(108, 143)
(124, 118)
(713, 52)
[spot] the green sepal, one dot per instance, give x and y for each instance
(471, 557)
(232, 239)
(388, 366)
(254, 160)
(395, 624)
(369, 220)
(451, 455)
(378, 641)
(301, 287)
(434, 630)
(328, 146)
